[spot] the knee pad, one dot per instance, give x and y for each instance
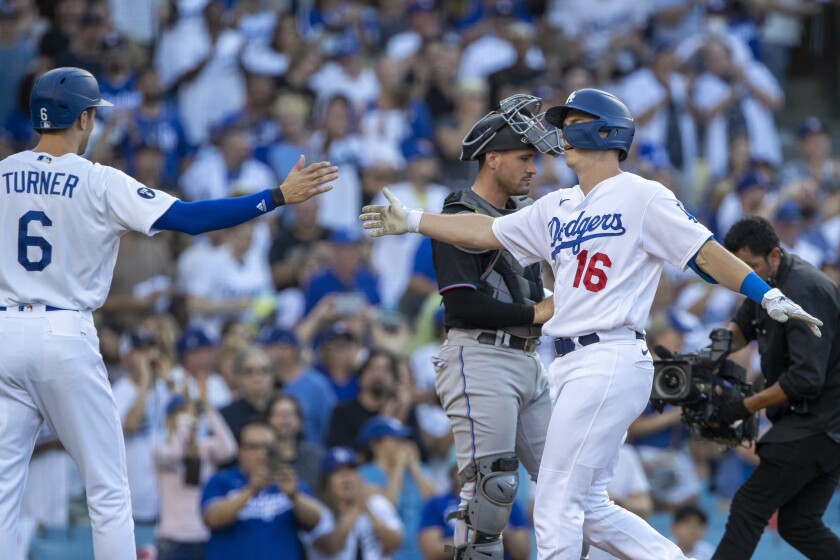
(487, 513)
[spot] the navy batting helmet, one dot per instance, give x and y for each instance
(612, 116)
(514, 125)
(60, 96)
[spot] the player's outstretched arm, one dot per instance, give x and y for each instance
(302, 183)
(733, 273)
(473, 231)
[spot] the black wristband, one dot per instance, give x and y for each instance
(277, 197)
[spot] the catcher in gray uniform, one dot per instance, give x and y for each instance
(489, 379)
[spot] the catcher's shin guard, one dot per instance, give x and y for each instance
(487, 513)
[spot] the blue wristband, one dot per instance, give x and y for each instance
(754, 287)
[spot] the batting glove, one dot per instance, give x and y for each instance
(394, 219)
(729, 408)
(781, 309)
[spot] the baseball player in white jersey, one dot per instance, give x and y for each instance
(606, 240)
(61, 218)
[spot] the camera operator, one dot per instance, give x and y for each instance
(800, 454)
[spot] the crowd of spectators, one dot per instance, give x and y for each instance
(276, 380)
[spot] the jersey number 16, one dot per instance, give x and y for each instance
(594, 278)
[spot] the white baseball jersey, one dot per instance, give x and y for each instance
(606, 249)
(61, 220)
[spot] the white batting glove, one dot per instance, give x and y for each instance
(781, 309)
(394, 219)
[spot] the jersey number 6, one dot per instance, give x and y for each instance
(25, 241)
(594, 278)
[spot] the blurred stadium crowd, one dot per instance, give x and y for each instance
(331, 339)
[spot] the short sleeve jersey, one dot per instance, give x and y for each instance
(61, 219)
(606, 249)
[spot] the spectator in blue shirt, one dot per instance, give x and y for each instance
(346, 274)
(292, 376)
(255, 510)
(436, 531)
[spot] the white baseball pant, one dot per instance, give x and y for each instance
(51, 370)
(598, 390)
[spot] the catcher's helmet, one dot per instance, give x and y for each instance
(611, 114)
(514, 125)
(60, 95)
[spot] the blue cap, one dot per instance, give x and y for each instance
(336, 330)
(788, 212)
(382, 426)
(414, 148)
(135, 339)
(345, 236)
(750, 179)
(420, 6)
(175, 403)
(278, 336)
(336, 458)
(811, 125)
(193, 338)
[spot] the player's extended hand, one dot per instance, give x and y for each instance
(781, 309)
(302, 183)
(386, 220)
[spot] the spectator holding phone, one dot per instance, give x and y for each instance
(347, 275)
(197, 441)
(283, 413)
(256, 509)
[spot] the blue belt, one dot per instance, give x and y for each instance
(563, 346)
(23, 307)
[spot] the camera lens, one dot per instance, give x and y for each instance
(670, 382)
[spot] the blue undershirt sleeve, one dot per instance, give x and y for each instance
(692, 264)
(208, 215)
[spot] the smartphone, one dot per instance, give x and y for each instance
(349, 304)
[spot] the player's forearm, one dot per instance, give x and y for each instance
(472, 231)
(727, 269)
(209, 215)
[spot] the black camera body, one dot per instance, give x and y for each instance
(688, 380)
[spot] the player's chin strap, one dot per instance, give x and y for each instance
(487, 513)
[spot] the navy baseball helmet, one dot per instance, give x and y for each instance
(612, 116)
(516, 124)
(61, 95)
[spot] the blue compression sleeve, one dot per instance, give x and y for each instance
(208, 215)
(754, 287)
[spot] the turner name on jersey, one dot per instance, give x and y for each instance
(40, 182)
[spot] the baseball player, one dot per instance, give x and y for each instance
(490, 381)
(606, 240)
(61, 218)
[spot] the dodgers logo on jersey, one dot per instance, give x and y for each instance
(581, 229)
(146, 192)
(686, 212)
